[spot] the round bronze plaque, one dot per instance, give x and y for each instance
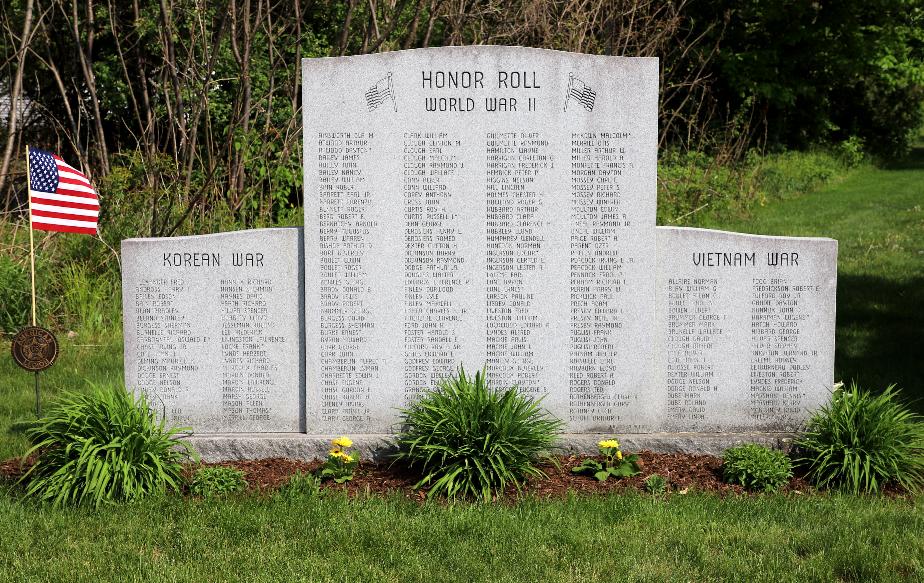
(34, 348)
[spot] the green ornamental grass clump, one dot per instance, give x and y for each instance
(656, 485)
(103, 446)
(860, 441)
(756, 467)
(300, 486)
(215, 481)
(470, 440)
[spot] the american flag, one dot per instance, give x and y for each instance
(380, 93)
(60, 197)
(581, 92)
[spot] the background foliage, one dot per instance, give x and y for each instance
(191, 109)
(187, 113)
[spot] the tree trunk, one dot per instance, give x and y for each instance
(15, 97)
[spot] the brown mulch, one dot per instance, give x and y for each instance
(683, 472)
(13, 468)
(369, 477)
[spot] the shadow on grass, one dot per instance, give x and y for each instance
(913, 161)
(880, 323)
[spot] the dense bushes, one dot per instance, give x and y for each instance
(860, 441)
(78, 277)
(465, 438)
(168, 108)
(77, 283)
(471, 440)
(823, 72)
(103, 446)
(694, 185)
(219, 147)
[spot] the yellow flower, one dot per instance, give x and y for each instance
(343, 441)
(619, 455)
(337, 454)
(608, 443)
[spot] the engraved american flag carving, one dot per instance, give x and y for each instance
(380, 93)
(60, 197)
(581, 92)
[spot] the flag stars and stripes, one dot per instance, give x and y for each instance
(61, 198)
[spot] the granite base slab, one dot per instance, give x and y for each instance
(215, 447)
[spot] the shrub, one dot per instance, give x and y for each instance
(695, 188)
(851, 151)
(756, 467)
(104, 446)
(613, 463)
(692, 181)
(860, 441)
(655, 484)
(470, 440)
(792, 173)
(300, 487)
(216, 481)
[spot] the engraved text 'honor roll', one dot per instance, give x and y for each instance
(480, 205)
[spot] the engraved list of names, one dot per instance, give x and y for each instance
(744, 322)
(484, 206)
(214, 323)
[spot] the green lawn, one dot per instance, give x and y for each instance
(79, 362)
(877, 215)
(620, 538)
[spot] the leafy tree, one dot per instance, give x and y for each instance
(825, 71)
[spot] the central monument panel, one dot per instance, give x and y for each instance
(489, 206)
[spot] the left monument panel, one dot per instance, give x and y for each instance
(213, 328)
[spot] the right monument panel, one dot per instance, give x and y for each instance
(747, 329)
